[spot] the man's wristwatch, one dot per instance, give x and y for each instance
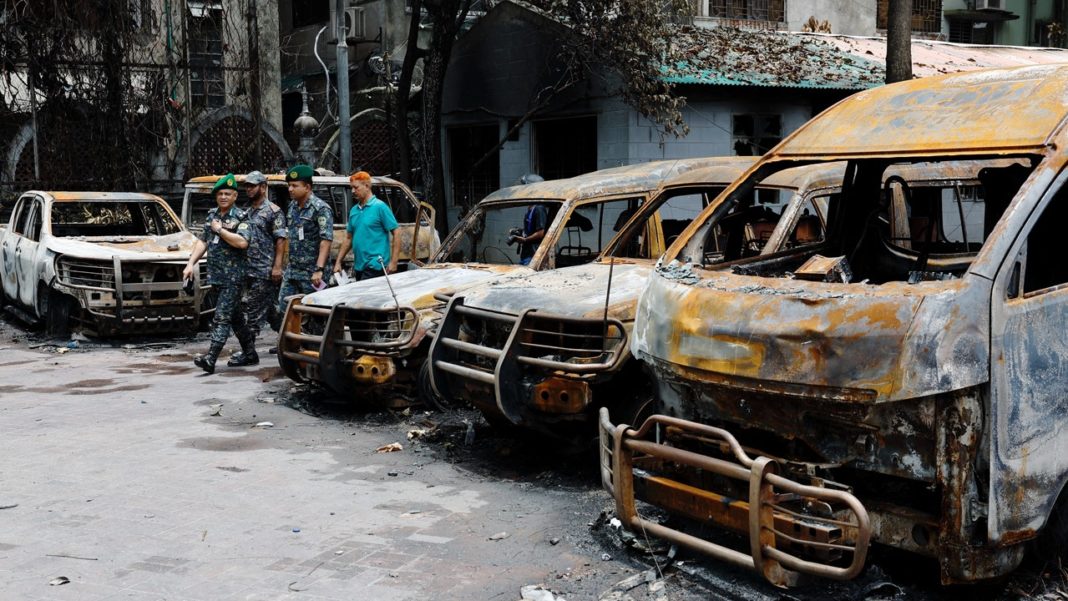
(319, 268)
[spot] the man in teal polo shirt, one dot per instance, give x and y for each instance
(369, 233)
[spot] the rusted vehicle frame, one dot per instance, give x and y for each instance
(96, 273)
(368, 371)
(938, 404)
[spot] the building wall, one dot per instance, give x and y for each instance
(846, 18)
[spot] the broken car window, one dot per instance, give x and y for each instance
(589, 227)
(892, 221)
(486, 234)
(111, 218)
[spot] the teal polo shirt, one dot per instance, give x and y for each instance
(369, 226)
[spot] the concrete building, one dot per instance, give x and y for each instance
(211, 79)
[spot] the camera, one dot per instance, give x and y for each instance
(514, 234)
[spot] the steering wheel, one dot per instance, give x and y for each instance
(503, 254)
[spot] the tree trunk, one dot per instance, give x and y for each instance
(899, 41)
(412, 54)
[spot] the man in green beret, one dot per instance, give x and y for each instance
(310, 228)
(225, 238)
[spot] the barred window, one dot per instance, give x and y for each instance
(750, 10)
(926, 15)
(208, 88)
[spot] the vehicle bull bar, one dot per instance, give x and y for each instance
(364, 330)
(773, 529)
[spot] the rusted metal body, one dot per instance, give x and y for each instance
(419, 239)
(931, 386)
(107, 280)
(329, 337)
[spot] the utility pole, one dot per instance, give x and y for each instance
(344, 137)
(254, 85)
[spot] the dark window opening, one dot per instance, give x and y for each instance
(754, 135)
(565, 147)
(470, 182)
(311, 12)
(1044, 243)
(971, 32)
(207, 85)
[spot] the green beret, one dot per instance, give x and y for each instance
(226, 182)
(300, 173)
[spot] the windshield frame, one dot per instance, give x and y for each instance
(166, 212)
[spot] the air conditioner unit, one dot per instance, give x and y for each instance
(990, 4)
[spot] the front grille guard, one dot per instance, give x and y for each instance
(590, 354)
(774, 530)
(365, 331)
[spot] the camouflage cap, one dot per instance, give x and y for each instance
(226, 182)
(255, 178)
(300, 173)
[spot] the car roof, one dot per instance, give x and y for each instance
(986, 111)
(637, 178)
(280, 178)
(70, 196)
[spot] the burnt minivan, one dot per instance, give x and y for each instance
(901, 381)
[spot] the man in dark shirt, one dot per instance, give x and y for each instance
(534, 224)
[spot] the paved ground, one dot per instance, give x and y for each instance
(117, 474)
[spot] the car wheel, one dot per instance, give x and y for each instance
(57, 309)
(425, 389)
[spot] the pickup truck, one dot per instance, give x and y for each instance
(101, 262)
(419, 239)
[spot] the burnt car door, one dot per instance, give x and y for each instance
(27, 245)
(11, 239)
(1029, 367)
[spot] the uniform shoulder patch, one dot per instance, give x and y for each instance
(242, 226)
(322, 220)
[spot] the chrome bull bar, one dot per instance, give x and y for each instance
(776, 533)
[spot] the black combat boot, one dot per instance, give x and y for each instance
(207, 360)
(247, 355)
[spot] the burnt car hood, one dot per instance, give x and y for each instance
(887, 342)
(414, 288)
(573, 291)
(156, 248)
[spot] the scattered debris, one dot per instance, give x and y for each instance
(416, 433)
(881, 590)
(392, 474)
(264, 425)
(619, 590)
(65, 556)
(390, 448)
(216, 409)
(269, 400)
(73, 344)
(469, 436)
(59, 581)
(60, 351)
(537, 592)
(554, 541)
(606, 557)
(296, 529)
(499, 536)
(12, 506)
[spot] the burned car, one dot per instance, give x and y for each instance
(900, 381)
(367, 340)
(534, 350)
(419, 239)
(102, 262)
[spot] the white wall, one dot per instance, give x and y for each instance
(846, 18)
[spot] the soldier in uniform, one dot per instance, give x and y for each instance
(225, 238)
(267, 223)
(310, 228)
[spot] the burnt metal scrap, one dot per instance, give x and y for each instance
(921, 384)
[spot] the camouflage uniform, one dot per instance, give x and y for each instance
(305, 229)
(226, 274)
(267, 224)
